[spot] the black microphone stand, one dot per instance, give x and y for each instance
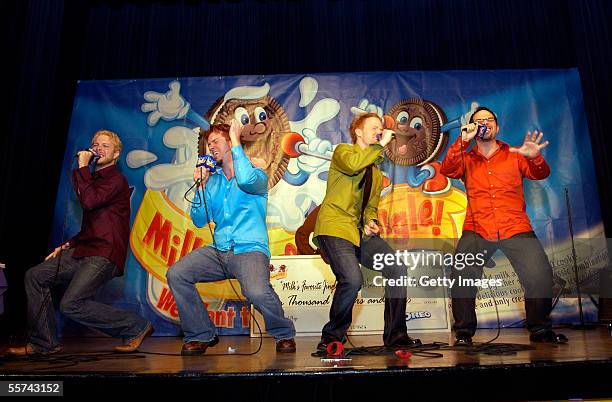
(582, 324)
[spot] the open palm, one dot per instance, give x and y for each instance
(531, 145)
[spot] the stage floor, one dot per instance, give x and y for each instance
(594, 345)
(90, 360)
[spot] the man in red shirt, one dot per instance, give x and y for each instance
(87, 261)
(493, 175)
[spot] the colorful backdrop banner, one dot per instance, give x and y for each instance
(293, 123)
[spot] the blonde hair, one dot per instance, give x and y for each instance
(113, 137)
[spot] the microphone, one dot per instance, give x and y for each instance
(94, 160)
(481, 131)
(206, 161)
(84, 150)
(379, 136)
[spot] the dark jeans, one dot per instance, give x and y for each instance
(84, 277)
(344, 259)
(534, 271)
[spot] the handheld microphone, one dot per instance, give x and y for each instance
(83, 150)
(379, 136)
(94, 160)
(206, 161)
(481, 131)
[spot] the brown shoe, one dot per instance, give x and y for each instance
(285, 346)
(135, 343)
(28, 350)
(20, 350)
(197, 348)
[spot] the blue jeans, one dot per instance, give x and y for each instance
(205, 265)
(84, 276)
(345, 258)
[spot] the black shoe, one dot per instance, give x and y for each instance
(548, 336)
(404, 342)
(463, 340)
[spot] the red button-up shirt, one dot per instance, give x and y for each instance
(494, 187)
(105, 199)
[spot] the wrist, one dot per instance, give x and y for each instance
(534, 157)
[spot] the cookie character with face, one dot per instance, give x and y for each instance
(264, 124)
(418, 142)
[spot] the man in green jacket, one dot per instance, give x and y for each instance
(348, 233)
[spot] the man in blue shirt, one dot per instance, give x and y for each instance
(235, 198)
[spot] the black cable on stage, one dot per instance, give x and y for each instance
(423, 350)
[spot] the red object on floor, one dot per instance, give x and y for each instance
(335, 349)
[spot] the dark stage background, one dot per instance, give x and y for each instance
(50, 44)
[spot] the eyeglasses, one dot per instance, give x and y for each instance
(487, 120)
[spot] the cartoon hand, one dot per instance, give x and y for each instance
(169, 106)
(417, 175)
(465, 119)
(316, 145)
(365, 106)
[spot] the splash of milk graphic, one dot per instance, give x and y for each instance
(174, 178)
(287, 204)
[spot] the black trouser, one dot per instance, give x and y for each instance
(344, 260)
(534, 271)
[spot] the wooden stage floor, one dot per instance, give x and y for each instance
(88, 361)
